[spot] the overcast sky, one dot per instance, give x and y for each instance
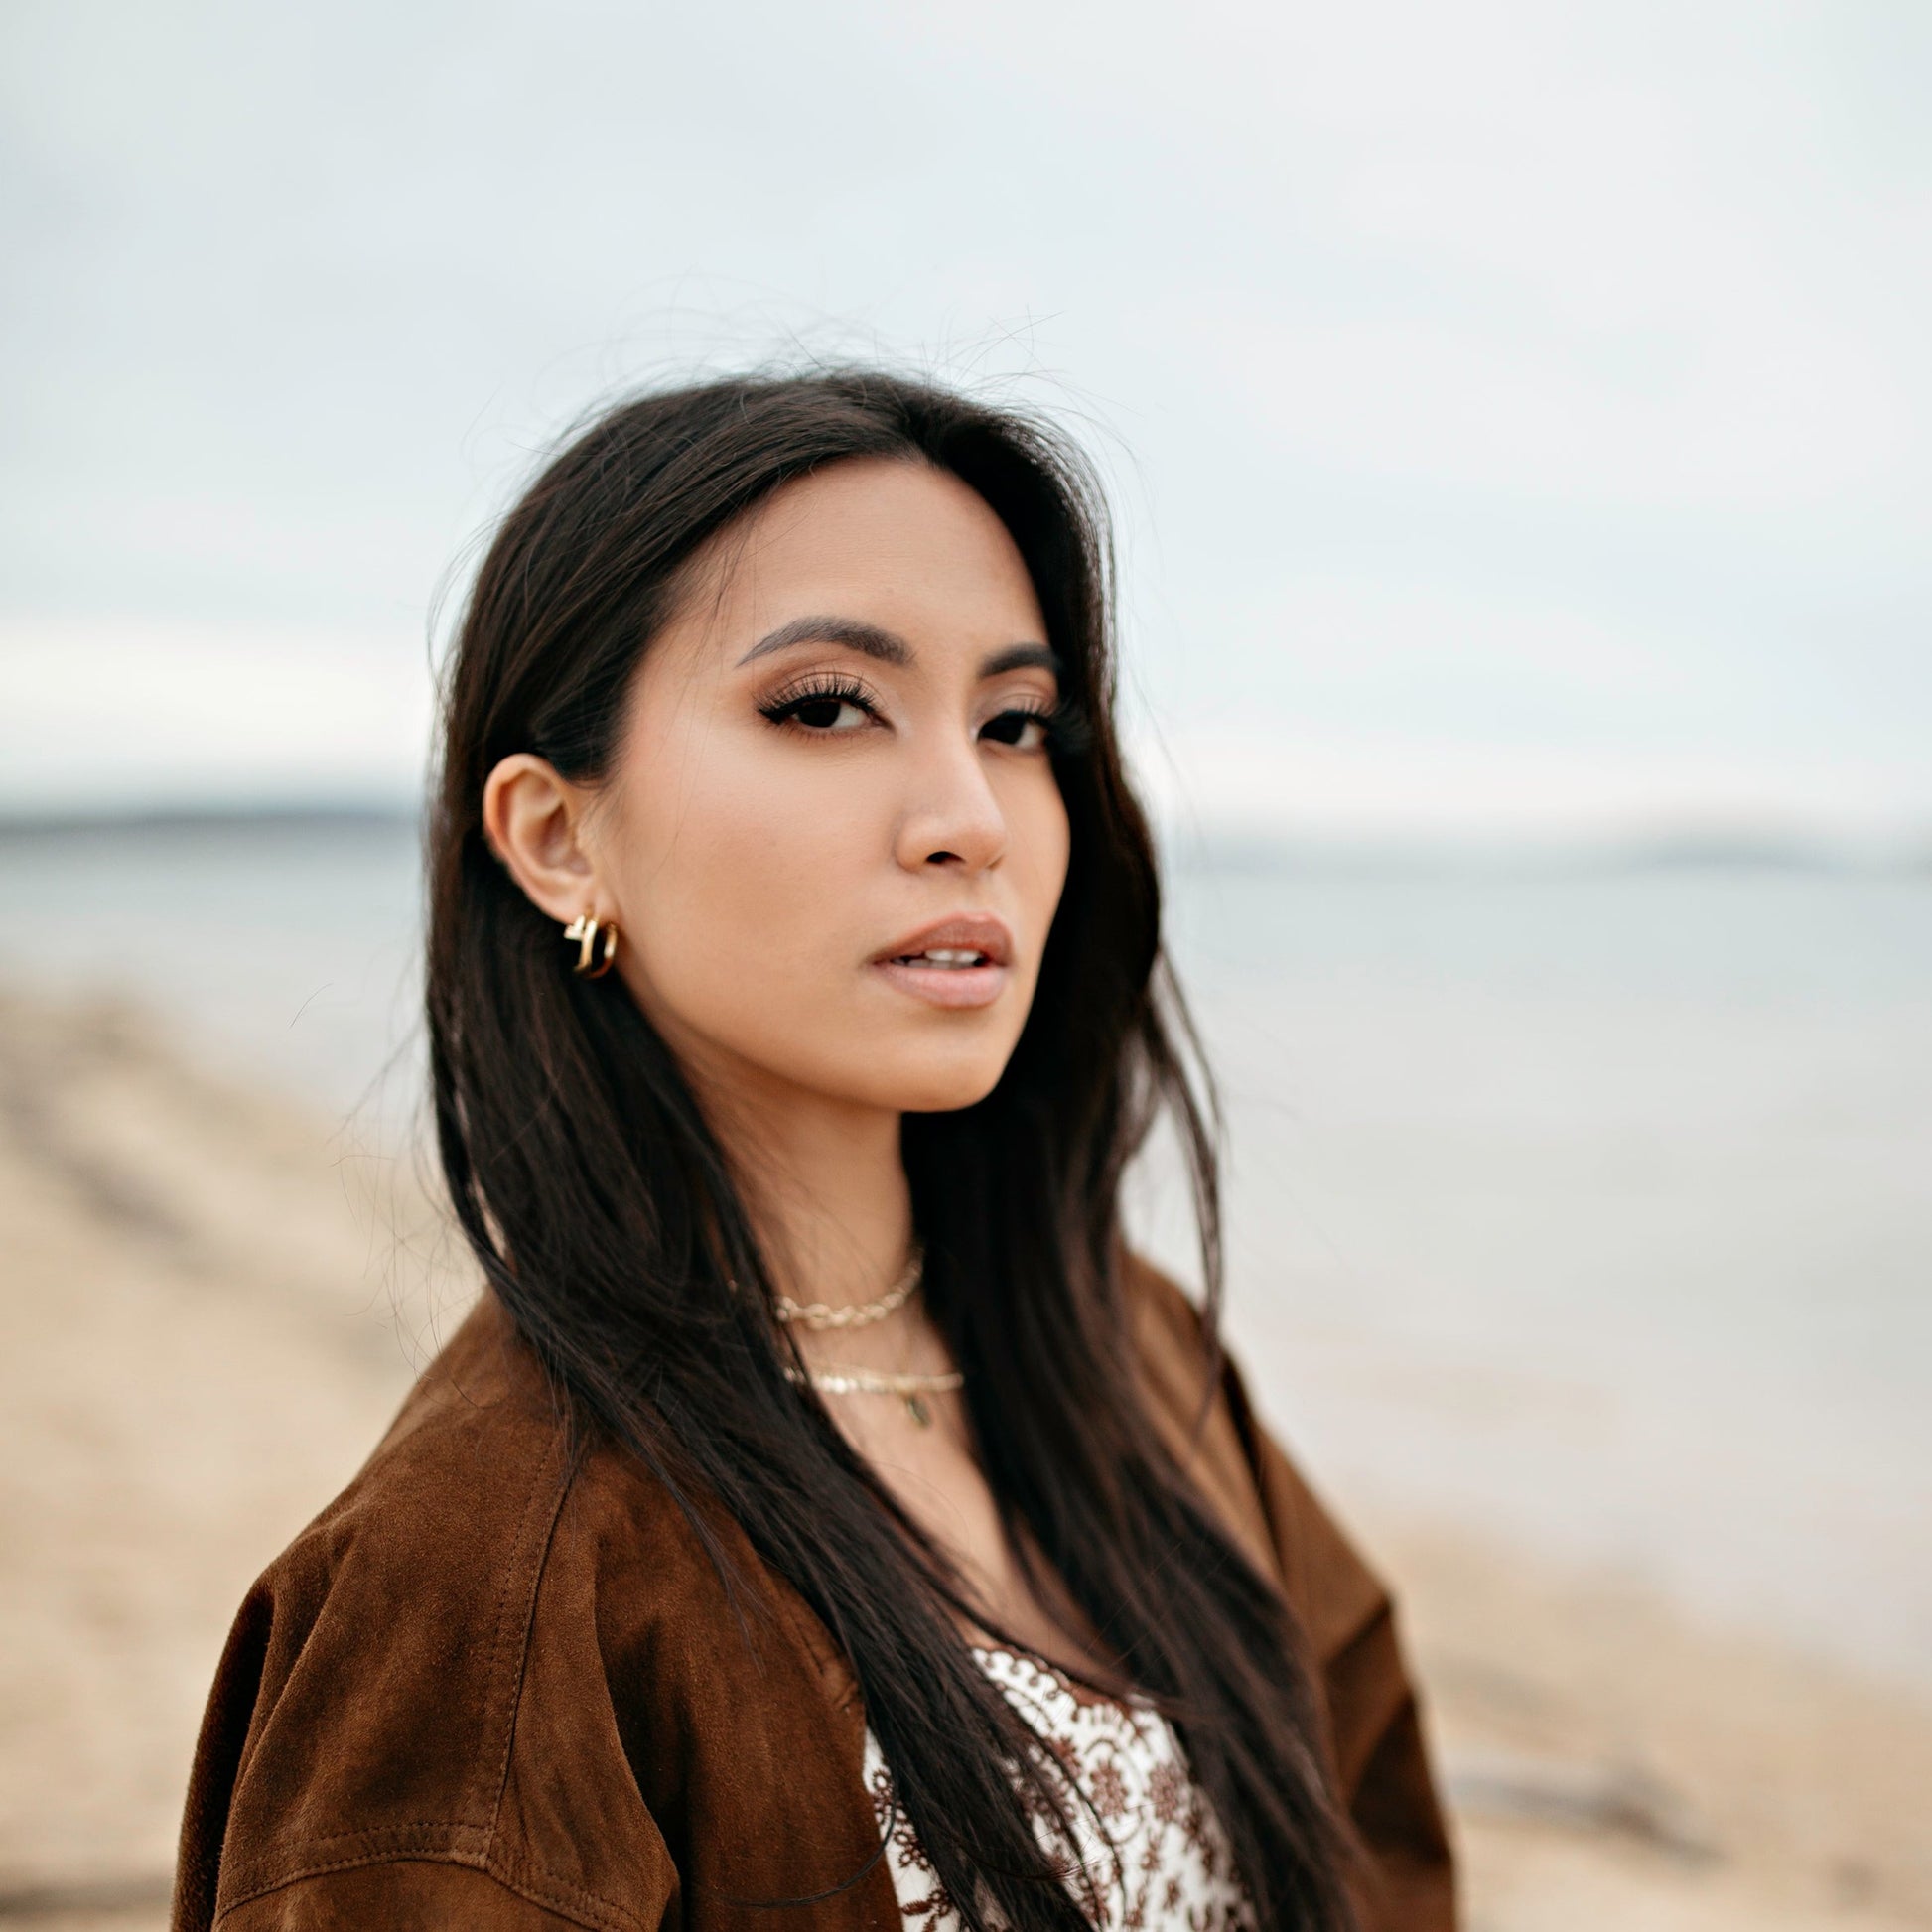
(1518, 415)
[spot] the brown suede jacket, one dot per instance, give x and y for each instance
(486, 1693)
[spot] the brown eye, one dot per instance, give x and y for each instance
(1026, 731)
(828, 713)
(824, 710)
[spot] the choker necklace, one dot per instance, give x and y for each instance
(853, 1314)
(865, 1381)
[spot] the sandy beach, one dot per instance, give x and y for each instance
(212, 1302)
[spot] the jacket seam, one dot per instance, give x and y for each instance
(532, 1883)
(501, 1711)
(430, 1838)
(375, 1834)
(512, 1693)
(570, 1899)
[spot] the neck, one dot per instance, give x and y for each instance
(824, 1185)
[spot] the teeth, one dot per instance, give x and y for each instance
(950, 956)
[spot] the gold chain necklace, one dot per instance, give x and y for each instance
(853, 1314)
(841, 1380)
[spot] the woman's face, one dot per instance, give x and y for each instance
(832, 838)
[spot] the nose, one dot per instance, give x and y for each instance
(953, 817)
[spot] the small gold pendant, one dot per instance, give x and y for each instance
(919, 1413)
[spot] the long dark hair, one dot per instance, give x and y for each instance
(601, 1207)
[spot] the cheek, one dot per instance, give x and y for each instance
(1042, 842)
(737, 885)
(753, 890)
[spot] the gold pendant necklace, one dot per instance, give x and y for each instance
(840, 1380)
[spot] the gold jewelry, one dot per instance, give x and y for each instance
(585, 929)
(853, 1314)
(841, 1380)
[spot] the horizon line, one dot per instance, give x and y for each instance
(1185, 837)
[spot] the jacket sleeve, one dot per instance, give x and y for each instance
(404, 1878)
(1381, 1759)
(412, 1726)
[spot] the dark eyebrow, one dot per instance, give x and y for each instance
(889, 647)
(886, 645)
(1020, 657)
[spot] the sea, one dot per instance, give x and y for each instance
(1587, 1203)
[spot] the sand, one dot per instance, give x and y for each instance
(212, 1303)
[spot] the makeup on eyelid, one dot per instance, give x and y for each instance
(831, 691)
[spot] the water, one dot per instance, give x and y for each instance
(1591, 1208)
(1599, 1208)
(289, 950)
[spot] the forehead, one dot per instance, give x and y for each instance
(895, 543)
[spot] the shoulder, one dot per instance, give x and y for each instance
(364, 1709)
(1382, 1769)
(1185, 1390)
(421, 1571)
(475, 1457)
(1201, 1404)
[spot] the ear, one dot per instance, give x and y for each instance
(533, 818)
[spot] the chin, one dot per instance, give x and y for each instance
(923, 1085)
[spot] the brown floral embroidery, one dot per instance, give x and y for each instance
(1154, 1855)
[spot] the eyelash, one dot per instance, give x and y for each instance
(1065, 732)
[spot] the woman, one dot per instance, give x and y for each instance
(822, 1520)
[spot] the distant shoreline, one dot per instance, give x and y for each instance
(1238, 851)
(220, 819)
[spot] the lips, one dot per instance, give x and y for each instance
(953, 963)
(973, 939)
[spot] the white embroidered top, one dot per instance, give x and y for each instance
(1153, 1851)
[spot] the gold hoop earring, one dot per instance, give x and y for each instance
(585, 930)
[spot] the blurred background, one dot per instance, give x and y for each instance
(1517, 419)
